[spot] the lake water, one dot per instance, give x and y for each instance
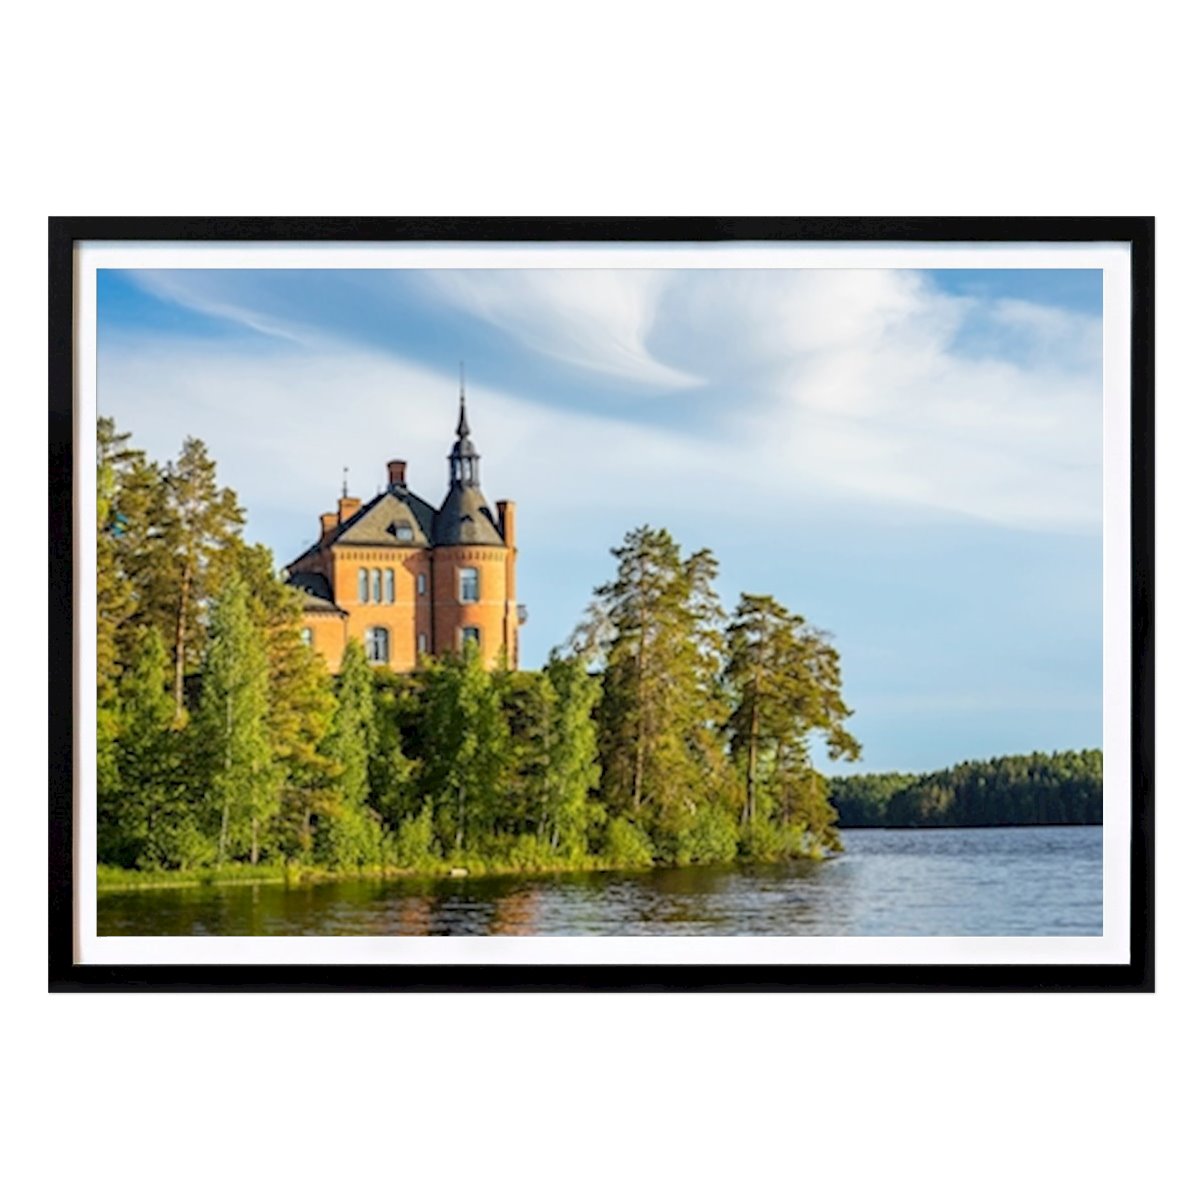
(903, 882)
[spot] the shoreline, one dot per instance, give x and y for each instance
(122, 879)
(111, 879)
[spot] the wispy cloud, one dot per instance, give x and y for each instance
(863, 383)
(600, 320)
(195, 290)
(871, 449)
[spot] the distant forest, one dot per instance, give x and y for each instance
(1028, 789)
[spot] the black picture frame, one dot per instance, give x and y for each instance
(65, 974)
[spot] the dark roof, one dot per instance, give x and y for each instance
(383, 522)
(463, 520)
(318, 595)
(466, 520)
(380, 523)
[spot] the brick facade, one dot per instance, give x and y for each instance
(426, 578)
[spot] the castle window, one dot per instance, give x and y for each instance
(421, 584)
(422, 644)
(363, 595)
(306, 636)
(377, 645)
(389, 586)
(376, 586)
(468, 584)
(470, 633)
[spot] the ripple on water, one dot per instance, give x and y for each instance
(929, 882)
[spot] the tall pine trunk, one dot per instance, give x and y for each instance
(185, 591)
(752, 748)
(639, 762)
(228, 765)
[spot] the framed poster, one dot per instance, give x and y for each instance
(820, 656)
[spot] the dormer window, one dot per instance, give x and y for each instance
(403, 531)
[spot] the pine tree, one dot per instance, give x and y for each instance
(572, 770)
(529, 704)
(115, 603)
(661, 707)
(467, 749)
(302, 705)
(231, 735)
(200, 524)
(391, 771)
(348, 834)
(142, 821)
(785, 683)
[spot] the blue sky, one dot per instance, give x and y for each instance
(911, 459)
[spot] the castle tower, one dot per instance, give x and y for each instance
(407, 580)
(473, 562)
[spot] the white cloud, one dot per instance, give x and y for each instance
(596, 319)
(846, 383)
(177, 287)
(282, 426)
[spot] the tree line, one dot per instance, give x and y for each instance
(1032, 789)
(664, 731)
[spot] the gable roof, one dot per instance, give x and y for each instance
(383, 520)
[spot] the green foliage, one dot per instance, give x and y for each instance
(231, 747)
(414, 843)
(1035, 789)
(466, 747)
(349, 834)
(199, 526)
(660, 708)
(862, 800)
(709, 836)
(763, 840)
(667, 736)
(626, 845)
(572, 770)
(784, 680)
(146, 820)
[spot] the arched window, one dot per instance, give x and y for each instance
(376, 586)
(421, 584)
(422, 644)
(377, 645)
(306, 636)
(468, 584)
(363, 596)
(389, 586)
(470, 633)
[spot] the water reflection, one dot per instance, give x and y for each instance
(1016, 882)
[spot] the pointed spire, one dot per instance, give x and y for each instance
(463, 428)
(345, 482)
(464, 461)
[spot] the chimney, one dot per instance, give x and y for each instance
(347, 507)
(506, 514)
(328, 524)
(396, 469)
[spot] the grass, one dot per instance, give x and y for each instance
(122, 879)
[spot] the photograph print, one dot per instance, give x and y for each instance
(611, 602)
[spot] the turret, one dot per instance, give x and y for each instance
(464, 461)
